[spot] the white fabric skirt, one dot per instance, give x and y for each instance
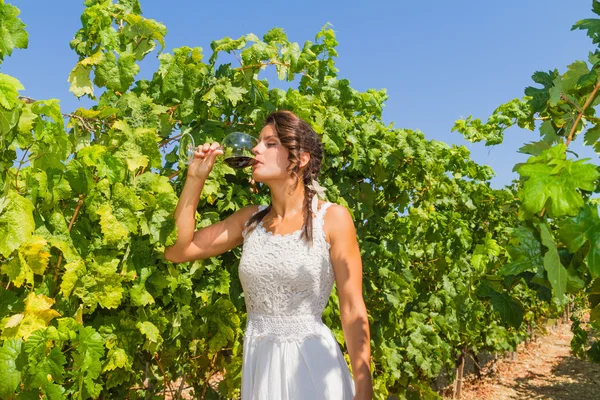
(293, 357)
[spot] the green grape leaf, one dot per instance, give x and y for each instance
(112, 228)
(149, 330)
(510, 310)
(144, 32)
(9, 88)
(591, 25)
(16, 222)
(484, 253)
(571, 78)
(140, 296)
(87, 363)
(574, 282)
(592, 135)
(74, 271)
(11, 374)
(153, 338)
(79, 78)
(226, 44)
(548, 133)
(34, 252)
(535, 148)
(37, 315)
(52, 391)
(12, 30)
(117, 358)
(557, 273)
(18, 270)
(516, 111)
(49, 368)
(116, 74)
(8, 120)
(555, 92)
(275, 35)
(551, 181)
(26, 124)
(585, 227)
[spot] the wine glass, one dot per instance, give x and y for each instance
(187, 147)
(237, 149)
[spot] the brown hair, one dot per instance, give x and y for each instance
(297, 136)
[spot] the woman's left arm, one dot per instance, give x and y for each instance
(347, 266)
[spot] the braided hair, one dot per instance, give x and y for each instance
(297, 136)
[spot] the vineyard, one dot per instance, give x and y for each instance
(91, 309)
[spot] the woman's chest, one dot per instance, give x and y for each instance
(286, 261)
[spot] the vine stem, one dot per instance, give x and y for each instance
(165, 381)
(19, 169)
(212, 364)
(582, 110)
(169, 140)
(60, 257)
(80, 119)
(238, 58)
(565, 98)
(29, 100)
(580, 113)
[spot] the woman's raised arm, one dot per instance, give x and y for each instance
(211, 240)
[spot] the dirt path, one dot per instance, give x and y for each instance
(544, 369)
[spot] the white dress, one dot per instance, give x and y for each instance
(289, 353)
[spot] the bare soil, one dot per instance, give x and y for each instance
(544, 369)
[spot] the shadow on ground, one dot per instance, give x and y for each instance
(571, 379)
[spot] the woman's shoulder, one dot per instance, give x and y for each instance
(336, 220)
(335, 213)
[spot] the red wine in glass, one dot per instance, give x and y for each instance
(240, 161)
(237, 149)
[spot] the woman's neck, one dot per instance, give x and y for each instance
(287, 202)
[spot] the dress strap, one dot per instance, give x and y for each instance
(319, 225)
(323, 209)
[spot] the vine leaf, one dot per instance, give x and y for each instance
(553, 182)
(557, 274)
(12, 30)
(16, 222)
(37, 314)
(585, 227)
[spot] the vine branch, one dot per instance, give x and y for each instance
(207, 378)
(19, 168)
(80, 119)
(580, 114)
(60, 257)
(565, 98)
(166, 382)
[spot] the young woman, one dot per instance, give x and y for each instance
(292, 251)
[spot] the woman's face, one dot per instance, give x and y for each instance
(272, 157)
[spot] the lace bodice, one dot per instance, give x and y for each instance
(282, 275)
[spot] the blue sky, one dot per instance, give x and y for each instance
(439, 60)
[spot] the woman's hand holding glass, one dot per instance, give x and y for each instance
(236, 147)
(204, 160)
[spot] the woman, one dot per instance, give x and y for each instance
(293, 250)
